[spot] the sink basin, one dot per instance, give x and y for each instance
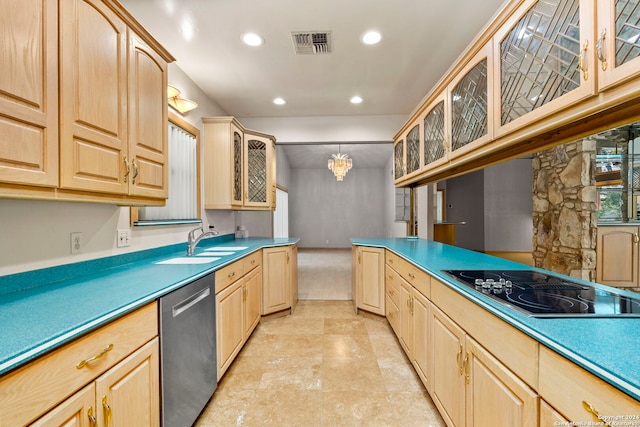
(209, 252)
(226, 248)
(189, 260)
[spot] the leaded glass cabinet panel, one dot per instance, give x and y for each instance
(434, 139)
(618, 45)
(413, 149)
(398, 159)
(469, 114)
(256, 171)
(237, 167)
(539, 58)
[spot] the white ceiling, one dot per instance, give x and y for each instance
(421, 40)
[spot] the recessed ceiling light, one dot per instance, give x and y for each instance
(356, 100)
(279, 101)
(252, 39)
(371, 37)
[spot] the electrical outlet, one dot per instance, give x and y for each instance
(76, 242)
(124, 237)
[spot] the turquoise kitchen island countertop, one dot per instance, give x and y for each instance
(41, 310)
(607, 347)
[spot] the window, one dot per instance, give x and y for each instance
(183, 204)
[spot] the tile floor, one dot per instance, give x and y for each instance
(324, 274)
(321, 366)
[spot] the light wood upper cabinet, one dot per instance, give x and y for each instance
(436, 130)
(545, 58)
(259, 184)
(148, 141)
(239, 166)
(618, 41)
(83, 108)
(93, 98)
(28, 92)
(398, 159)
(471, 106)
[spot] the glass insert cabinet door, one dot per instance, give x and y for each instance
(413, 149)
(618, 44)
(256, 172)
(398, 159)
(539, 57)
(469, 115)
(237, 168)
(434, 139)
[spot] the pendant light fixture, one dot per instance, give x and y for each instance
(340, 164)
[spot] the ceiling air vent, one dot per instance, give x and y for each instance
(311, 42)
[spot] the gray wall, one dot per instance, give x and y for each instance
(465, 203)
(325, 213)
(508, 206)
(497, 205)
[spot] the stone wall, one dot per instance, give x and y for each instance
(564, 209)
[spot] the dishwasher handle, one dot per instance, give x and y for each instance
(189, 302)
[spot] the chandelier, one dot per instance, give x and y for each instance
(340, 164)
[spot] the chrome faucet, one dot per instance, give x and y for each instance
(192, 241)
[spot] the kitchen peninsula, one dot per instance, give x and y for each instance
(472, 344)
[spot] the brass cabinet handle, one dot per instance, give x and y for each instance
(582, 61)
(126, 164)
(459, 359)
(465, 365)
(107, 411)
(135, 171)
(593, 411)
(92, 418)
(412, 276)
(231, 274)
(100, 355)
(636, 238)
(600, 49)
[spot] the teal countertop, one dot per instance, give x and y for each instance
(607, 347)
(43, 309)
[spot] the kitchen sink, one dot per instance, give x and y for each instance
(226, 248)
(209, 252)
(189, 260)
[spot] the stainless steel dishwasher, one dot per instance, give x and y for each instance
(187, 351)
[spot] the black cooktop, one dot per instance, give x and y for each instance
(544, 295)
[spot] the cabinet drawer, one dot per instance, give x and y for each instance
(252, 261)
(229, 274)
(392, 284)
(409, 272)
(566, 386)
(33, 389)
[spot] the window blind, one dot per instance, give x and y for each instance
(182, 201)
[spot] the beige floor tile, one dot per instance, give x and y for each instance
(299, 345)
(341, 373)
(350, 346)
(347, 326)
(285, 408)
(399, 375)
(293, 325)
(293, 373)
(359, 408)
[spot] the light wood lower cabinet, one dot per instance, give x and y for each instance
(617, 256)
(447, 381)
(279, 279)
(238, 304)
(579, 395)
(117, 364)
(368, 289)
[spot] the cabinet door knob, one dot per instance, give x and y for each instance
(107, 411)
(126, 165)
(92, 418)
(636, 238)
(135, 171)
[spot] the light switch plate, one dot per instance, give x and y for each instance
(124, 237)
